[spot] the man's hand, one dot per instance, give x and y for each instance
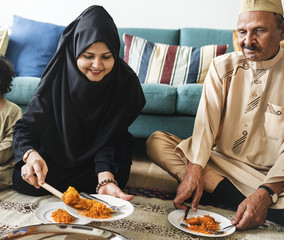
(35, 169)
(252, 212)
(191, 185)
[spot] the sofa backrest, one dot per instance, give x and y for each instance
(198, 37)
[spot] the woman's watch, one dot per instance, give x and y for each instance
(273, 195)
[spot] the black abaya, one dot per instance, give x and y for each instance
(75, 123)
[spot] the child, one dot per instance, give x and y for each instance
(9, 114)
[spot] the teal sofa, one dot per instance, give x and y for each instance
(167, 108)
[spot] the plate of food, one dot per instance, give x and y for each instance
(197, 218)
(44, 214)
(94, 210)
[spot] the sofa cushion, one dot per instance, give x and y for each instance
(160, 98)
(188, 97)
(179, 125)
(23, 90)
(4, 39)
(169, 64)
(32, 45)
(198, 37)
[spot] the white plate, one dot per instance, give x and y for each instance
(122, 213)
(43, 213)
(176, 216)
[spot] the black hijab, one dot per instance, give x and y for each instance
(72, 117)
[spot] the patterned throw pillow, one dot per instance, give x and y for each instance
(4, 39)
(169, 64)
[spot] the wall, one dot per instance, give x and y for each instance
(220, 14)
(129, 13)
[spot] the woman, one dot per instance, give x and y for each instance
(9, 114)
(75, 132)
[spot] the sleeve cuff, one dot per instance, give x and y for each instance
(102, 167)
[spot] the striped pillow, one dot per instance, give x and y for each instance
(169, 64)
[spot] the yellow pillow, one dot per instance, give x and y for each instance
(4, 39)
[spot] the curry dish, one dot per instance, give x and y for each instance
(204, 224)
(87, 207)
(62, 216)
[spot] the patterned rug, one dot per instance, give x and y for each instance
(149, 193)
(148, 221)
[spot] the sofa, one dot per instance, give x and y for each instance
(168, 107)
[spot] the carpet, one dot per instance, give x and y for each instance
(148, 221)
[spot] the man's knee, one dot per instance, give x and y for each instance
(161, 142)
(154, 144)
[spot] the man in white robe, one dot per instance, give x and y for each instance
(236, 153)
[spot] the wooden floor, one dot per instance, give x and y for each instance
(145, 173)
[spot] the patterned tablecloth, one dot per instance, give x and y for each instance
(148, 221)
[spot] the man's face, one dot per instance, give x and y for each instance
(259, 35)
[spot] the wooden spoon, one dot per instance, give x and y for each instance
(52, 190)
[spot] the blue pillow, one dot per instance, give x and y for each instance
(31, 46)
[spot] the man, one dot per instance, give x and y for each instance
(236, 153)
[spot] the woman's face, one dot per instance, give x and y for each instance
(96, 62)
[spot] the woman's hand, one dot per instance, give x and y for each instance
(35, 169)
(111, 188)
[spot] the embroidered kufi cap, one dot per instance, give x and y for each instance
(274, 6)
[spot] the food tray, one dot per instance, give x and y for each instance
(61, 231)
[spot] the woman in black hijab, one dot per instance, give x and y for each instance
(75, 132)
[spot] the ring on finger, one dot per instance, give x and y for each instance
(23, 174)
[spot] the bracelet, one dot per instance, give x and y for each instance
(27, 154)
(104, 182)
